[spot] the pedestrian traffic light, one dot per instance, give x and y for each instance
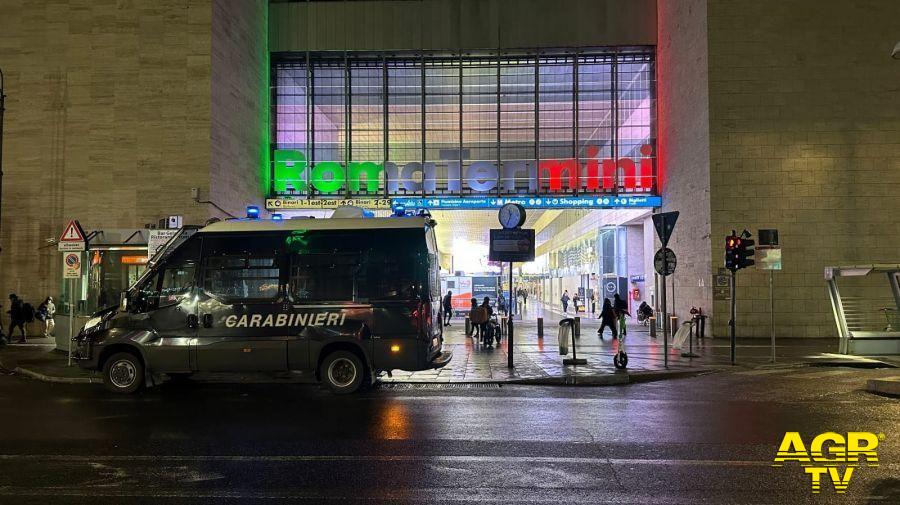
(746, 250)
(732, 258)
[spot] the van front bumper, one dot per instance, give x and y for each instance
(441, 359)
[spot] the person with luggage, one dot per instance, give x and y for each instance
(448, 307)
(607, 319)
(18, 316)
(486, 335)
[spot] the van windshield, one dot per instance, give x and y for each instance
(165, 251)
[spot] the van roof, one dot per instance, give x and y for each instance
(368, 223)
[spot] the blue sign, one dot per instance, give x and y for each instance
(531, 202)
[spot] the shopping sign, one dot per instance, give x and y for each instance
(72, 238)
(294, 175)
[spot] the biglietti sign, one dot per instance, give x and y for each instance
(294, 175)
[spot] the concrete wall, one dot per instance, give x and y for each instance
(804, 123)
(460, 24)
(683, 130)
(115, 110)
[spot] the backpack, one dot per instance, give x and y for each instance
(27, 312)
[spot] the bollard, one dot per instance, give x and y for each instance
(701, 332)
(503, 326)
(468, 326)
(540, 322)
(577, 327)
(652, 326)
(673, 321)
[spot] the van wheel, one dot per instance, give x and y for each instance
(342, 372)
(123, 373)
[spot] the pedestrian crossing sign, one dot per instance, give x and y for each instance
(72, 238)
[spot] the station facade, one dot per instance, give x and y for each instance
(199, 108)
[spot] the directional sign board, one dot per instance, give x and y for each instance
(72, 238)
(515, 244)
(664, 224)
(664, 261)
(71, 265)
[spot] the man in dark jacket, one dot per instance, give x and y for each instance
(448, 307)
(16, 316)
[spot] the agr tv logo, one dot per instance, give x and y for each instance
(830, 454)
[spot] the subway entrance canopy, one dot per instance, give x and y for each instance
(570, 130)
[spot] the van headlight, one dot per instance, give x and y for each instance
(92, 324)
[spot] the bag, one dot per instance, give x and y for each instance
(27, 313)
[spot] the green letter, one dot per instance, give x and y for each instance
(372, 171)
(290, 166)
(332, 184)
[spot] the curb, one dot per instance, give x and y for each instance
(889, 386)
(49, 378)
(659, 375)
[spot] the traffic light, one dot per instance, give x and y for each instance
(732, 257)
(746, 251)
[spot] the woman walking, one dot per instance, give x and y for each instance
(46, 313)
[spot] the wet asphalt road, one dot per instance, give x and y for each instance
(706, 439)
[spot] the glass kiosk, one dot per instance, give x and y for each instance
(113, 260)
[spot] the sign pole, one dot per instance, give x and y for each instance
(733, 322)
(772, 310)
(71, 317)
(665, 314)
(509, 343)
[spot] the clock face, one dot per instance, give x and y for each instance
(512, 215)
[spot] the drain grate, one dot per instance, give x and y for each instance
(432, 385)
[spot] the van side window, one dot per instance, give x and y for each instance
(239, 268)
(325, 277)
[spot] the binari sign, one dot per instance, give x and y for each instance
(294, 175)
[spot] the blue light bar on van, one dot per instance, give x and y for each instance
(277, 217)
(530, 202)
(252, 212)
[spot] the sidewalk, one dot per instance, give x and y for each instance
(537, 360)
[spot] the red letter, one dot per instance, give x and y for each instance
(609, 174)
(646, 168)
(554, 169)
(592, 170)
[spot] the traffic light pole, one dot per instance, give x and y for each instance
(509, 322)
(732, 322)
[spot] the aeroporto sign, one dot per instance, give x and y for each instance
(517, 177)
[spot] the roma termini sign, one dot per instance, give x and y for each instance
(294, 175)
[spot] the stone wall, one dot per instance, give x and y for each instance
(239, 102)
(804, 137)
(107, 121)
(683, 130)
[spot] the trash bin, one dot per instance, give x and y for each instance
(565, 334)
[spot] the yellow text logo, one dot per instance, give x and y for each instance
(830, 454)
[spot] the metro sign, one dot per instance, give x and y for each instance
(566, 176)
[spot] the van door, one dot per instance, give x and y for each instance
(168, 299)
(243, 314)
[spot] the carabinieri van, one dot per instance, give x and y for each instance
(341, 299)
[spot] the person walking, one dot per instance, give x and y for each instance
(607, 318)
(448, 307)
(524, 297)
(593, 302)
(475, 316)
(17, 317)
(501, 304)
(49, 313)
(575, 301)
(565, 301)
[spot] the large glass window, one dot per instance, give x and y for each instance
(471, 125)
(242, 268)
